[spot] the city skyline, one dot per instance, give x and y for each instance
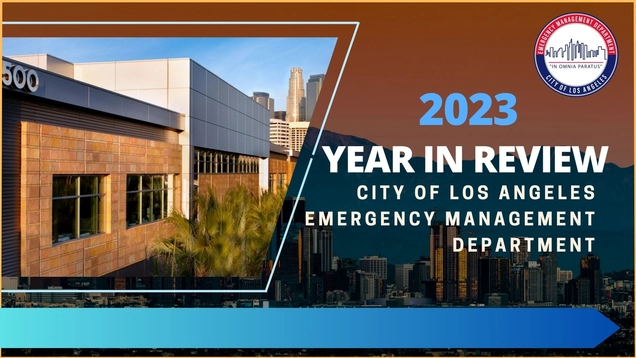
(249, 64)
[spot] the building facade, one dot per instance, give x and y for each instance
(296, 107)
(314, 85)
(297, 133)
(264, 100)
(95, 156)
(88, 174)
(279, 133)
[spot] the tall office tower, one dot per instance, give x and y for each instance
(297, 133)
(375, 264)
(420, 276)
(314, 85)
(591, 269)
(321, 239)
(564, 275)
(264, 100)
(279, 132)
(473, 276)
(577, 291)
(494, 276)
(282, 115)
(548, 262)
(462, 275)
(522, 256)
(402, 275)
(443, 260)
(533, 282)
(366, 285)
(516, 283)
(296, 97)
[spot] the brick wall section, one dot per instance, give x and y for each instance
(279, 164)
(222, 183)
(49, 150)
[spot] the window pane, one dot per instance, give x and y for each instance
(164, 204)
(156, 204)
(146, 182)
(89, 185)
(64, 186)
(64, 223)
(89, 215)
(132, 209)
(146, 205)
(157, 182)
(132, 183)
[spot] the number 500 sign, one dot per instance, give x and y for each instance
(19, 78)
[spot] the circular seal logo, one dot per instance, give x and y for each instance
(576, 54)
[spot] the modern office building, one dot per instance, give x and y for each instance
(95, 155)
(264, 100)
(321, 239)
(296, 107)
(279, 133)
(522, 256)
(375, 264)
(494, 276)
(564, 275)
(591, 270)
(282, 115)
(314, 85)
(548, 262)
(297, 133)
(444, 262)
(402, 272)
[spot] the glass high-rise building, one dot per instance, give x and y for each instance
(548, 262)
(375, 264)
(444, 262)
(314, 85)
(494, 276)
(591, 270)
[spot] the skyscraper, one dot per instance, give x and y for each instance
(533, 282)
(548, 262)
(522, 256)
(314, 85)
(279, 132)
(444, 262)
(297, 134)
(366, 285)
(420, 276)
(296, 100)
(494, 276)
(564, 275)
(321, 238)
(591, 270)
(264, 100)
(402, 275)
(375, 264)
(516, 283)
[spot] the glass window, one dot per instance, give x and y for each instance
(271, 182)
(147, 198)
(213, 162)
(78, 206)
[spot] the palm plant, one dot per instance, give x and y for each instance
(228, 238)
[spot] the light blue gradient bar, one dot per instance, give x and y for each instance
(532, 328)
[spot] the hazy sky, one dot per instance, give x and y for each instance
(249, 64)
